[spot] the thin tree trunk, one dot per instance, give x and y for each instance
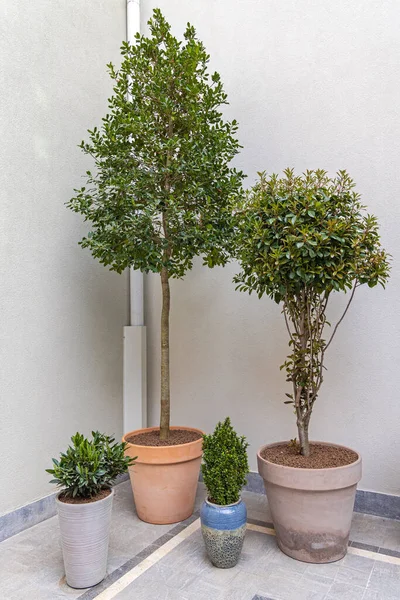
(165, 384)
(302, 427)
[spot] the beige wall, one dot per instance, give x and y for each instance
(61, 314)
(313, 84)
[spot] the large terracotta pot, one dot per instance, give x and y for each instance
(311, 508)
(164, 478)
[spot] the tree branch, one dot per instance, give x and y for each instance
(287, 322)
(342, 317)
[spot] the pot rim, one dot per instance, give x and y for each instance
(304, 469)
(144, 429)
(80, 504)
(207, 501)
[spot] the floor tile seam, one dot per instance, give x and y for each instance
(369, 578)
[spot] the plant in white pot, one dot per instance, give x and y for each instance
(159, 197)
(300, 239)
(86, 473)
(223, 514)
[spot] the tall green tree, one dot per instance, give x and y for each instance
(160, 191)
(300, 238)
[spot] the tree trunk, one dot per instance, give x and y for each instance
(302, 427)
(165, 384)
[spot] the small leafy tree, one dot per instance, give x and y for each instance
(89, 466)
(300, 239)
(160, 192)
(225, 464)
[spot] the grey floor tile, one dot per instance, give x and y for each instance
(244, 587)
(369, 529)
(378, 595)
(257, 564)
(352, 576)
(315, 582)
(392, 536)
(219, 577)
(345, 591)
(145, 590)
(200, 589)
(279, 559)
(360, 563)
(279, 586)
(328, 570)
(168, 577)
(255, 542)
(385, 577)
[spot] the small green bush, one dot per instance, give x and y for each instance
(225, 464)
(88, 466)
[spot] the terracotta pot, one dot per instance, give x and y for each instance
(164, 478)
(85, 530)
(311, 508)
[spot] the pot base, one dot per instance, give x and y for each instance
(223, 547)
(311, 548)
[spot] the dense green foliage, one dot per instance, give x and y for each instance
(162, 183)
(89, 466)
(225, 464)
(300, 238)
(159, 192)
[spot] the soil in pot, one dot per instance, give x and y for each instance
(321, 456)
(152, 438)
(70, 500)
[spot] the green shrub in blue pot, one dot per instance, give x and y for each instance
(224, 514)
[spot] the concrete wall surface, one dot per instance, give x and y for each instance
(313, 85)
(61, 313)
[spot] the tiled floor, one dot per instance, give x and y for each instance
(169, 563)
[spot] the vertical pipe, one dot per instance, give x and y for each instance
(134, 384)
(135, 277)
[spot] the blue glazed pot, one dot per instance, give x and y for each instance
(223, 529)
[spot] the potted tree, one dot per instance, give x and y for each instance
(160, 196)
(223, 514)
(86, 473)
(300, 240)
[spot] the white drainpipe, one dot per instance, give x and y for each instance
(135, 393)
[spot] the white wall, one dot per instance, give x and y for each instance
(313, 84)
(61, 313)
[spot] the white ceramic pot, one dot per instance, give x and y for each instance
(85, 530)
